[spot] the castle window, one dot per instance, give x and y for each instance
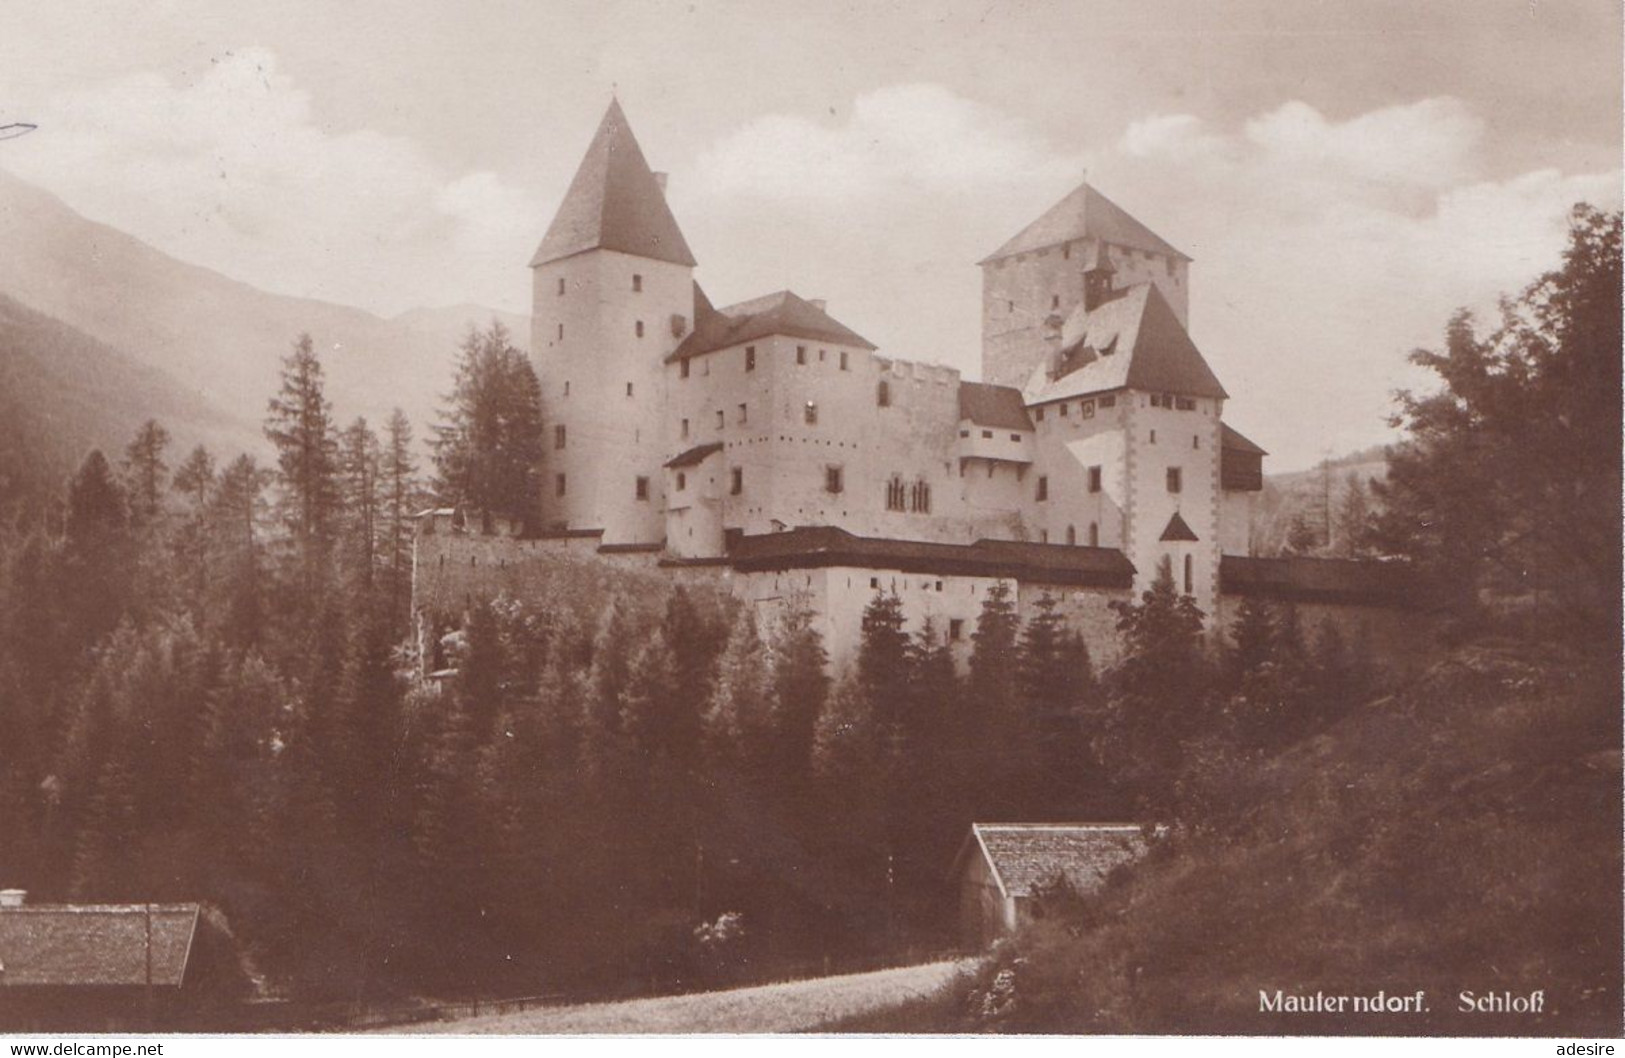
(1061, 409)
(720, 422)
(559, 484)
(558, 436)
(810, 413)
(801, 354)
(1169, 261)
(1066, 252)
(1043, 536)
(1175, 479)
(1071, 536)
(1086, 409)
(964, 433)
(683, 429)
(750, 358)
(567, 387)
(821, 353)
(987, 435)
(1094, 479)
(1038, 414)
(637, 283)
(874, 582)
(1016, 438)
(1109, 401)
(956, 628)
(561, 332)
(920, 498)
(629, 389)
(641, 490)
(1153, 437)
(883, 394)
(1043, 488)
(834, 479)
(1009, 306)
(1185, 403)
(744, 414)
(561, 286)
(736, 481)
(682, 481)
(895, 494)
(1196, 441)
(1094, 534)
(682, 369)
(1055, 301)
(1189, 579)
(637, 328)
(843, 361)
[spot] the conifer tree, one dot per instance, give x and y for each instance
(360, 499)
(400, 487)
(146, 471)
(194, 479)
(300, 426)
(800, 687)
(490, 437)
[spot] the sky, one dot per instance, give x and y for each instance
(1345, 174)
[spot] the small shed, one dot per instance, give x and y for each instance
(1001, 864)
(89, 967)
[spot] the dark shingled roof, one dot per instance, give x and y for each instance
(614, 203)
(817, 547)
(1026, 855)
(1177, 530)
(694, 456)
(94, 944)
(1084, 214)
(1133, 341)
(1231, 441)
(781, 313)
(999, 407)
(1332, 580)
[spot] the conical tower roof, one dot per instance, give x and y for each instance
(614, 203)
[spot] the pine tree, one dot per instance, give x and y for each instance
(490, 438)
(146, 471)
(300, 426)
(360, 499)
(399, 478)
(236, 514)
(98, 552)
(194, 479)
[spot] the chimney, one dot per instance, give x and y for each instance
(660, 179)
(13, 897)
(818, 303)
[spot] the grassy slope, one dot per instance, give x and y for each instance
(1462, 834)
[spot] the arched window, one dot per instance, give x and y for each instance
(1189, 580)
(1094, 534)
(883, 394)
(1071, 536)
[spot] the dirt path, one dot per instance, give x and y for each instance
(794, 1006)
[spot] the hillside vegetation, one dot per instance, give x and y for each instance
(1462, 834)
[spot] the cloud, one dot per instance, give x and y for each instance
(232, 170)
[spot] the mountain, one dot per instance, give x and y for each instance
(220, 338)
(62, 393)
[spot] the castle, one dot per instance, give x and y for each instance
(769, 447)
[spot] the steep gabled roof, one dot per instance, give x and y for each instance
(95, 944)
(614, 203)
(1084, 214)
(998, 407)
(1178, 531)
(1133, 341)
(782, 313)
(1023, 856)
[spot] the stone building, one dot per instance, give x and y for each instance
(769, 444)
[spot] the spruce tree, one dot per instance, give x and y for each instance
(360, 499)
(146, 471)
(489, 439)
(300, 427)
(400, 487)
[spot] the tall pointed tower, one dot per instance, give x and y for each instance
(612, 296)
(1039, 276)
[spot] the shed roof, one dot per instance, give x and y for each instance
(1084, 214)
(1134, 340)
(1023, 856)
(817, 547)
(694, 456)
(782, 313)
(1232, 441)
(95, 944)
(614, 203)
(999, 407)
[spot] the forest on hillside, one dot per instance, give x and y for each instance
(211, 695)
